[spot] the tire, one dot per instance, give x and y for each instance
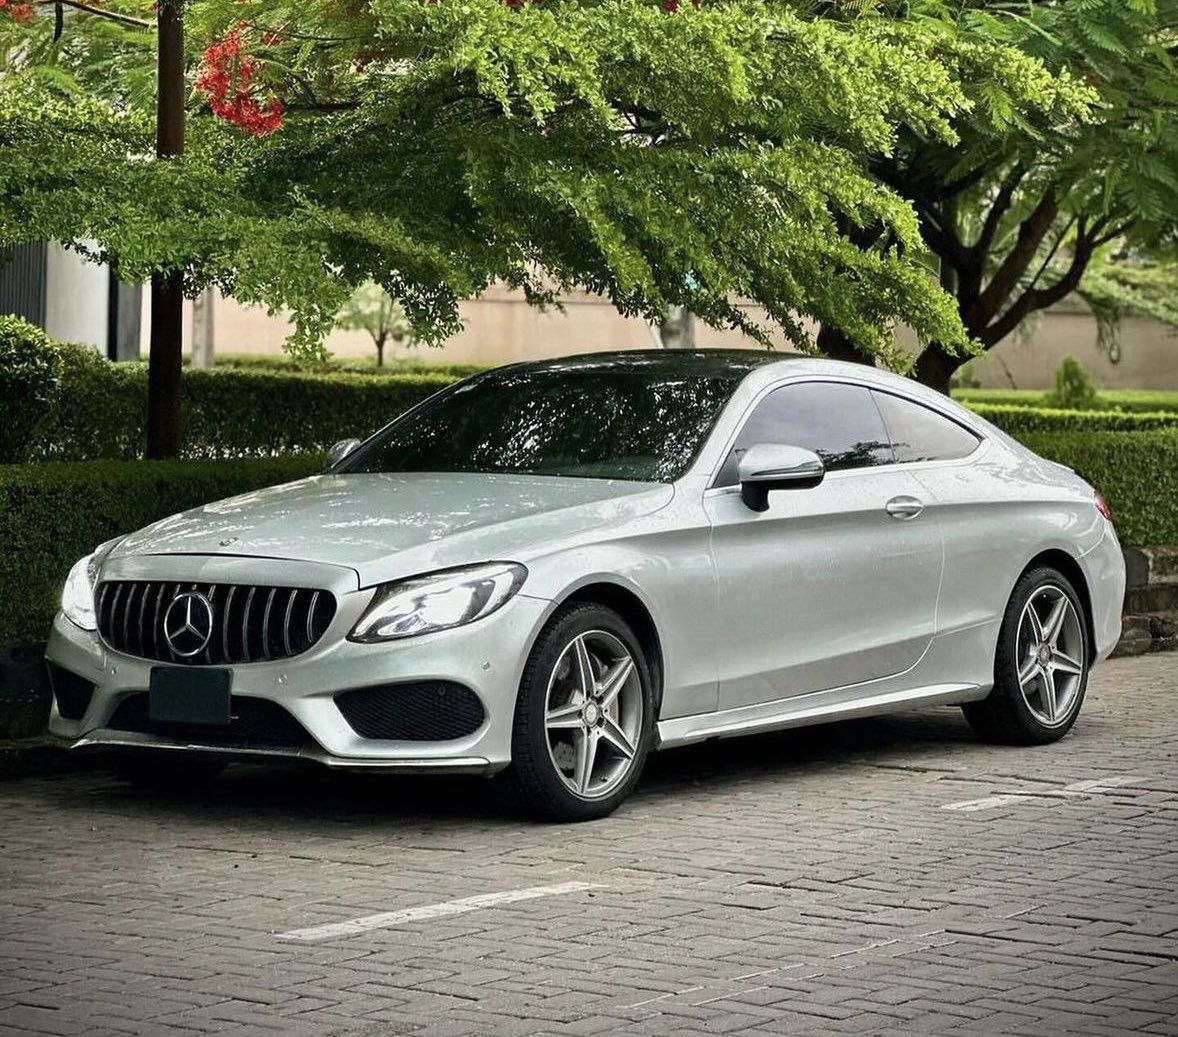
(1050, 651)
(558, 730)
(171, 771)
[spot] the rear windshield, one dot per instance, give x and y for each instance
(631, 422)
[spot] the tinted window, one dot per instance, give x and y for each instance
(840, 423)
(627, 421)
(920, 434)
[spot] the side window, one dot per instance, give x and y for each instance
(920, 434)
(840, 423)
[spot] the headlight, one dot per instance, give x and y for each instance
(77, 596)
(438, 602)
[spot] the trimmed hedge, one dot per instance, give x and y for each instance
(1136, 472)
(354, 365)
(1133, 401)
(1019, 421)
(53, 514)
(102, 407)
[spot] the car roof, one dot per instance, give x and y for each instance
(733, 362)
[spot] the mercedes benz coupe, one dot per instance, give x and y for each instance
(554, 568)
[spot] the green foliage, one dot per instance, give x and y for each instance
(422, 365)
(53, 514)
(101, 408)
(725, 151)
(1017, 420)
(30, 371)
(373, 310)
(1129, 284)
(1073, 388)
(1137, 472)
(1139, 401)
(1017, 207)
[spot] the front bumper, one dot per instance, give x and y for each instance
(487, 657)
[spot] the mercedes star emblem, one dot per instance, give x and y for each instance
(188, 624)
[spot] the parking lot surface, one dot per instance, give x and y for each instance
(891, 876)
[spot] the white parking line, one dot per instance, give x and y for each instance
(390, 919)
(1091, 787)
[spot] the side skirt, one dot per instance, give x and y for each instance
(803, 710)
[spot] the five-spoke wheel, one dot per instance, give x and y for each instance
(1041, 666)
(584, 715)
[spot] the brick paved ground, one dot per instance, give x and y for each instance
(809, 882)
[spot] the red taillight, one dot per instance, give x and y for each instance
(1103, 508)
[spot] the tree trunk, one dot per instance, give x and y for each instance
(167, 290)
(834, 344)
(380, 351)
(935, 367)
(163, 367)
(677, 330)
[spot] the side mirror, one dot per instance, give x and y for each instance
(341, 450)
(774, 466)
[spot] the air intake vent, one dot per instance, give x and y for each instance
(72, 693)
(255, 724)
(429, 711)
(211, 624)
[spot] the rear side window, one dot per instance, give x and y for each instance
(920, 434)
(840, 423)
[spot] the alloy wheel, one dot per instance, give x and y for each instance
(1051, 655)
(593, 714)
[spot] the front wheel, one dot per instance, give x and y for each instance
(584, 716)
(1041, 666)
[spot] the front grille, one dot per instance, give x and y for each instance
(72, 693)
(429, 711)
(249, 624)
(254, 724)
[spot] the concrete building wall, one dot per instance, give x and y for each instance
(500, 328)
(77, 298)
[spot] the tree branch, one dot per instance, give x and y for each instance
(1031, 233)
(999, 209)
(1040, 298)
(112, 16)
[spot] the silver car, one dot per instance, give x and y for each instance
(554, 568)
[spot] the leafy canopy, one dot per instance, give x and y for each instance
(695, 156)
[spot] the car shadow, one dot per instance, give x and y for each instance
(310, 795)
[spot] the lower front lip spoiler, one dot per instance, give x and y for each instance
(105, 739)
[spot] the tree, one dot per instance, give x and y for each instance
(1018, 208)
(373, 310)
(661, 156)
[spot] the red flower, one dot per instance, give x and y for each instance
(226, 80)
(17, 10)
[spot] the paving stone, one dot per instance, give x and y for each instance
(805, 882)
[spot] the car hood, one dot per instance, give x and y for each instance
(386, 526)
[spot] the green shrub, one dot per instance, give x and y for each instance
(53, 514)
(1018, 421)
(30, 375)
(102, 409)
(1137, 473)
(1133, 401)
(1073, 388)
(354, 365)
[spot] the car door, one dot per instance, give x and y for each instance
(833, 585)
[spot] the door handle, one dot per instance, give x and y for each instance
(904, 508)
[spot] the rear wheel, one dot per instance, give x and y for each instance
(583, 717)
(1041, 667)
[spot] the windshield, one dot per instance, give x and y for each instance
(637, 422)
